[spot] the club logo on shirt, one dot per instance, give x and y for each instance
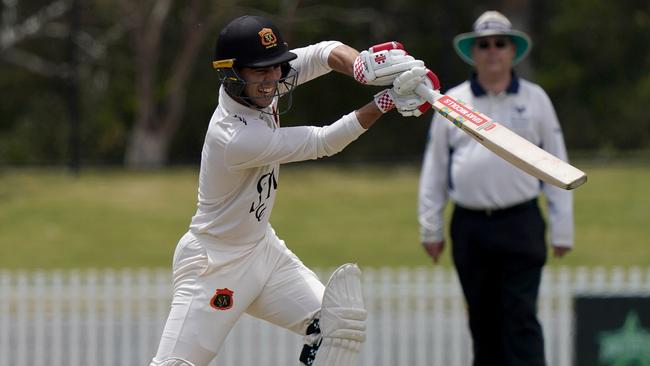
(521, 122)
(267, 184)
(241, 119)
(222, 299)
(520, 109)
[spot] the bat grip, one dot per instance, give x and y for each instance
(427, 93)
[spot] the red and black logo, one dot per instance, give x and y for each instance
(379, 59)
(222, 299)
(268, 38)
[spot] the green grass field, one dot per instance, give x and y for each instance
(327, 215)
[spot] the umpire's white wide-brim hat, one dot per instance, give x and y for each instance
(492, 23)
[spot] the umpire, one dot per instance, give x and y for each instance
(497, 229)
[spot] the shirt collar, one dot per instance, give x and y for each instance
(478, 90)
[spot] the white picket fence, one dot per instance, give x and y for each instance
(416, 317)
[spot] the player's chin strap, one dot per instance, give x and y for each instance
(284, 104)
(341, 324)
(235, 85)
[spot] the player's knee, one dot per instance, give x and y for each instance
(339, 329)
(171, 362)
(312, 341)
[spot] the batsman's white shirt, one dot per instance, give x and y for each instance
(458, 168)
(231, 261)
(243, 151)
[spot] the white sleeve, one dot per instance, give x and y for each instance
(312, 60)
(257, 145)
(434, 181)
(559, 201)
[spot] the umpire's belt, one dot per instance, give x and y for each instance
(494, 212)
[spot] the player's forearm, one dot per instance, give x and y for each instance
(342, 58)
(368, 115)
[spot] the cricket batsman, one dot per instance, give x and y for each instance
(231, 261)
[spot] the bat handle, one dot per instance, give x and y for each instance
(428, 94)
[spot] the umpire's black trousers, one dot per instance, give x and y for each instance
(499, 257)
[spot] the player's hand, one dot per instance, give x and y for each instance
(382, 63)
(560, 251)
(404, 85)
(406, 82)
(434, 249)
(410, 105)
(402, 94)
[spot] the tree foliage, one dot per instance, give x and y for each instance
(137, 76)
(595, 63)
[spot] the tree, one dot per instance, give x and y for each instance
(42, 23)
(595, 61)
(161, 98)
(56, 56)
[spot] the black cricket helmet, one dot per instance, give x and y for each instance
(252, 41)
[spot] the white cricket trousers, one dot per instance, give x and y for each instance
(215, 283)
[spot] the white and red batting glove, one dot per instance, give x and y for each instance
(414, 105)
(403, 96)
(382, 63)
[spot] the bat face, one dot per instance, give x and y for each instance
(505, 143)
(447, 105)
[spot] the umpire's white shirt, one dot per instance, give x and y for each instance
(458, 168)
(243, 150)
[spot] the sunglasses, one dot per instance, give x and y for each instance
(499, 43)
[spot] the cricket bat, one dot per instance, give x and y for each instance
(505, 143)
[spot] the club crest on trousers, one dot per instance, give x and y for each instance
(222, 299)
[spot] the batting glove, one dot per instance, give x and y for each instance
(407, 105)
(382, 63)
(410, 104)
(402, 94)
